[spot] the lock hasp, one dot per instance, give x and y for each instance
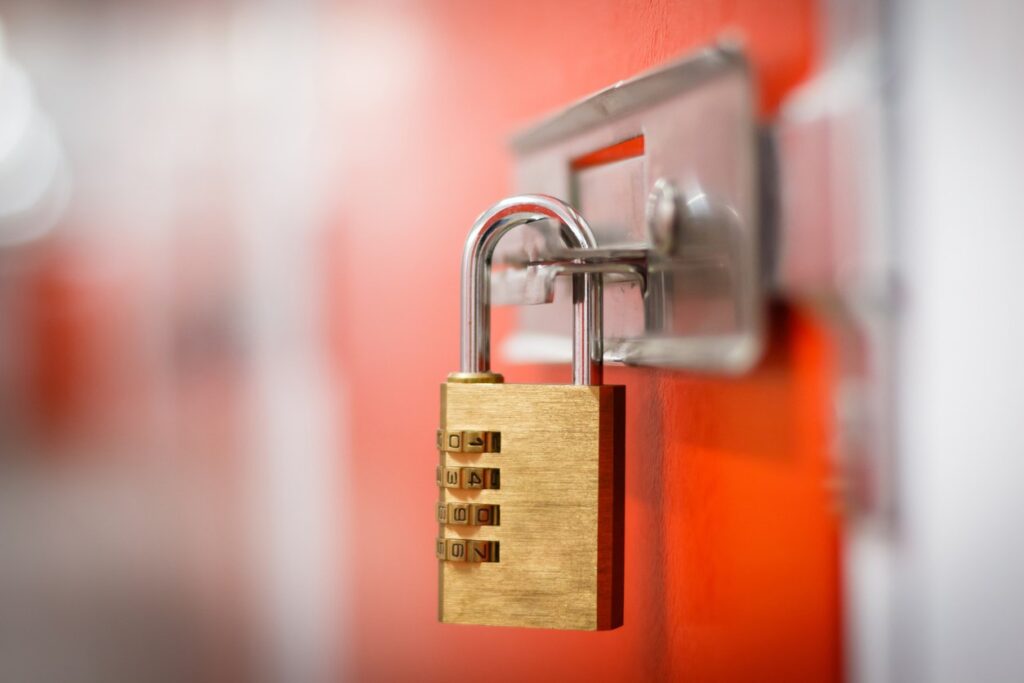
(561, 494)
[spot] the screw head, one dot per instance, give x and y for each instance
(663, 216)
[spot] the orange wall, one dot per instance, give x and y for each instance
(731, 542)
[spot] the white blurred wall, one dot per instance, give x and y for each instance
(958, 141)
(200, 159)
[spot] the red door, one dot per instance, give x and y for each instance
(731, 564)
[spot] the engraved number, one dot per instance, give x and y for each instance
(454, 441)
(481, 551)
(452, 477)
(483, 514)
(472, 478)
(456, 550)
(459, 513)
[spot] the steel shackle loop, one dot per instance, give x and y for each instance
(490, 227)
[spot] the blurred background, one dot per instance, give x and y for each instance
(171, 420)
(229, 237)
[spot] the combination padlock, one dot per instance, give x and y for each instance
(531, 504)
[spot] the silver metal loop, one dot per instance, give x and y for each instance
(588, 348)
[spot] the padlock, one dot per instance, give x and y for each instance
(531, 476)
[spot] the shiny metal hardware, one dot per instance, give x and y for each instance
(666, 168)
(531, 530)
(665, 210)
(489, 228)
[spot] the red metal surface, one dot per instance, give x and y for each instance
(731, 542)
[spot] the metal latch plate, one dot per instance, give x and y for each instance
(692, 125)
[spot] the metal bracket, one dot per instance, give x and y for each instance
(665, 169)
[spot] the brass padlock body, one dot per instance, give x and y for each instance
(561, 500)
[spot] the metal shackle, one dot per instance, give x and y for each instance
(588, 347)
